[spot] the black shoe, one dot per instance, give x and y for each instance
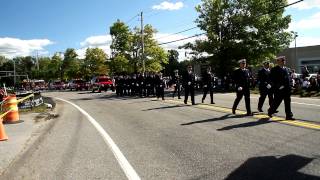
(185, 102)
(233, 111)
(163, 99)
(260, 110)
(249, 114)
(212, 102)
(193, 103)
(179, 97)
(202, 100)
(270, 115)
(290, 118)
(276, 111)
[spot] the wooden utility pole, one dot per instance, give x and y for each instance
(142, 43)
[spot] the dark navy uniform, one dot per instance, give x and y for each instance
(160, 85)
(208, 85)
(177, 82)
(265, 87)
(189, 83)
(241, 78)
(281, 82)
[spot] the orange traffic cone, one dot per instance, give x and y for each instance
(3, 135)
(11, 105)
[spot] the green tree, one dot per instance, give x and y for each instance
(251, 29)
(121, 46)
(119, 64)
(70, 64)
(155, 56)
(173, 63)
(94, 62)
(120, 34)
(55, 67)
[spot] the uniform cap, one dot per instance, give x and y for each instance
(242, 61)
(281, 58)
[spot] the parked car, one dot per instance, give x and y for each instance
(100, 83)
(38, 85)
(58, 85)
(78, 85)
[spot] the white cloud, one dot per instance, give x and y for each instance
(96, 41)
(165, 5)
(13, 47)
(306, 4)
(306, 41)
(311, 22)
(101, 41)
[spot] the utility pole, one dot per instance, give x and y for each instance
(37, 58)
(142, 42)
(295, 46)
(14, 73)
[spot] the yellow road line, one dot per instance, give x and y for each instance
(298, 123)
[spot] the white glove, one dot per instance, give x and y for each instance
(268, 86)
(239, 88)
(138, 85)
(281, 87)
(141, 82)
(205, 86)
(189, 83)
(174, 85)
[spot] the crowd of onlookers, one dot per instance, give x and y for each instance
(306, 81)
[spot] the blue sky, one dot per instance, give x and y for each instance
(47, 26)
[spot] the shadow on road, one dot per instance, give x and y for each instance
(164, 107)
(273, 167)
(247, 124)
(224, 117)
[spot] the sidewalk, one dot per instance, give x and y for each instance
(22, 136)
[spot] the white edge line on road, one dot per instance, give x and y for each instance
(125, 165)
(256, 97)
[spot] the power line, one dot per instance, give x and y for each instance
(196, 35)
(177, 33)
(132, 18)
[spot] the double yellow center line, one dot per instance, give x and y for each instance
(298, 123)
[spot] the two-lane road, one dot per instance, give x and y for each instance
(164, 140)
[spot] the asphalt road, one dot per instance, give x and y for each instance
(165, 140)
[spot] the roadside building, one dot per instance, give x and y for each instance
(299, 57)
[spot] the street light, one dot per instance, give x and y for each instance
(295, 34)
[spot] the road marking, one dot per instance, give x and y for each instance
(298, 123)
(255, 97)
(125, 165)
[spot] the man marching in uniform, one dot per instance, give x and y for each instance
(176, 81)
(208, 84)
(189, 82)
(241, 79)
(160, 85)
(265, 87)
(281, 82)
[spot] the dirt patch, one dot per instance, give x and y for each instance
(46, 116)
